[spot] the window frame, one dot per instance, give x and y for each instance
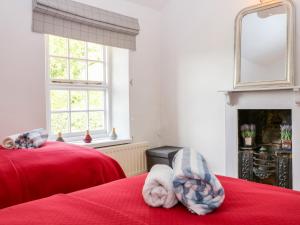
(69, 85)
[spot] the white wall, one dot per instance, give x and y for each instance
(22, 57)
(22, 64)
(120, 102)
(197, 56)
(198, 61)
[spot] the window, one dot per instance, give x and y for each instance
(78, 87)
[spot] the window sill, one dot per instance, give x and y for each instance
(98, 143)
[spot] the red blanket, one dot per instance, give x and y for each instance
(121, 202)
(55, 168)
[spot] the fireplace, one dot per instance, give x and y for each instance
(240, 108)
(265, 146)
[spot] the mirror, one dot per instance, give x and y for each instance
(264, 45)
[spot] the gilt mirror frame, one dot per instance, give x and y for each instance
(289, 81)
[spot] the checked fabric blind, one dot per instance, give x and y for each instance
(79, 21)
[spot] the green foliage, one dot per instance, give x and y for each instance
(60, 123)
(78, 70)
(96, 120)
(78, 100)
(80, 55)
(79, 121)
(58, 68)
(286, 132)
(95, 52)
(58, 46)
(248, 134)
(59, 100)
(77, 49)
(96, 100)
(248, 130)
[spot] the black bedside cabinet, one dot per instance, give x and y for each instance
(161, 155)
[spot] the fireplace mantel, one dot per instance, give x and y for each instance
(230, 94)
(262, 99)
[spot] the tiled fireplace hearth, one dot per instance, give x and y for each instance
(263, 159)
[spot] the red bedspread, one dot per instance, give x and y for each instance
(121, 203)
(55, 168)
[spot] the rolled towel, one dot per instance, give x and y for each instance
(29, 139)
(158, 188)
(9, 142)
(194, 185)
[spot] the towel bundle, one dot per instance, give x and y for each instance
(158, 188)
(27, 140)
(195, 186)
(191, 182)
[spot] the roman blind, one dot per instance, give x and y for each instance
(75, 20)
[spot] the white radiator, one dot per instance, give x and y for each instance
(131, 157)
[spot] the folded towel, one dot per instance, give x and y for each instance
(158, 188)
(194, 185)
(30, 139)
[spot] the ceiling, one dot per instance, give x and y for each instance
(155, 4)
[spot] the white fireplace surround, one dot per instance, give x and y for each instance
(261, 99)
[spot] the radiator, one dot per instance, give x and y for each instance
(131, 157)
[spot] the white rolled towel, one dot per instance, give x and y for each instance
(158, 187)
(9, 142)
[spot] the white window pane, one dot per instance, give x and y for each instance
(78, 100)
(79, 121)
(59, 100)
(95, 52)
(96, 71)
(77, 49)
(59, 123)
(58, 68)
(69, 107)
(78, 70)
(58, 46)
(96, 100)
(96, 120)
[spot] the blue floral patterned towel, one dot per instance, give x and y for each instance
(195, 186)
(27, 140)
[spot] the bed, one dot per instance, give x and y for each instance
(56, 167)
(120, 202)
